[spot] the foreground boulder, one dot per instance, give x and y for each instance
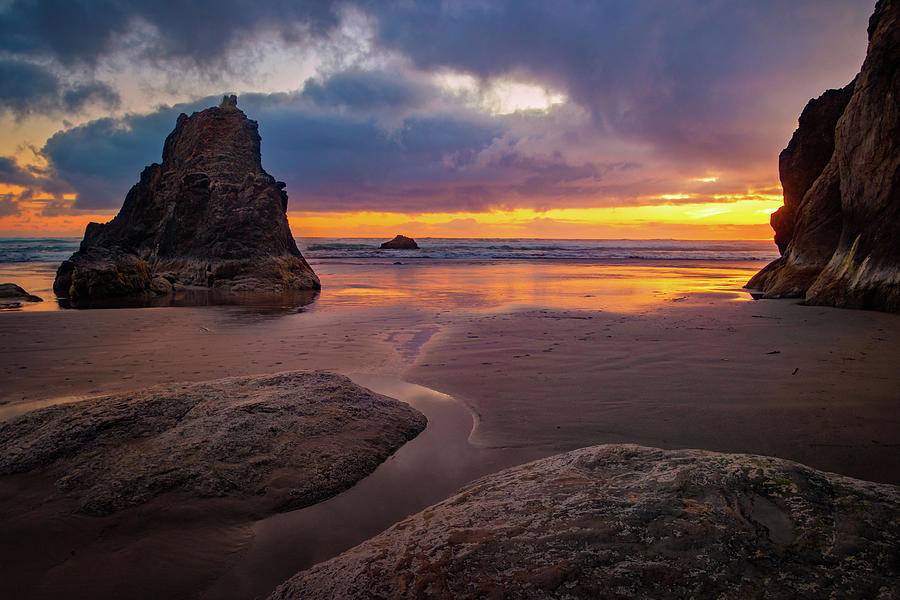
(400, 242)
(12, 295)
(839, 229)
(209, 218)
(269, 443)
(622, 521)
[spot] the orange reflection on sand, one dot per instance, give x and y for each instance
(619, 286)
(625, 286)
(372, 293)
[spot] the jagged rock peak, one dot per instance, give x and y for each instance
(228, 101)
(208, 217)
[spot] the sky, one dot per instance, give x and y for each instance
(467, 118)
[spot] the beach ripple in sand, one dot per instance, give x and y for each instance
(272, 443)
(625, 521)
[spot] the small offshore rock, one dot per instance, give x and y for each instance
(400, 242)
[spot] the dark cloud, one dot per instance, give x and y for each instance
(95, 92)
(693, 76)
(334, 160)
(76, 33)
(325, 157)
(102, 159)
(32, 181)
(9, 205)
(53, 207)
(13, 174)
(367, 90)
(27, 88)
(80, 31)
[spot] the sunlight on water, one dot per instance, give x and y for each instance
(615, 275)
(616, 287)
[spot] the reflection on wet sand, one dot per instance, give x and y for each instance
(202, 297)
(621, 286)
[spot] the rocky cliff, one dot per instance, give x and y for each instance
(622, 521)
(838, 228)
(208, 217)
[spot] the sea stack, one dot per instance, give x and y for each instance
(400, 242)
(208, 218)
(839, 228)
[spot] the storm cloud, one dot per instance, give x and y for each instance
(27, 88)
(81, 31)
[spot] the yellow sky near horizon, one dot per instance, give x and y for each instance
(726, 218)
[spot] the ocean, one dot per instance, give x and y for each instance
(55, 250)
(458, 272)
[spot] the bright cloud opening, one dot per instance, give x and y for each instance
(504, 97)
(498, 96)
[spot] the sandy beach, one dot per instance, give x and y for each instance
(671, 356)
(708, 369)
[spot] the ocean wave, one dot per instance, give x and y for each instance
(59, 249)
(542, 249)
(37, 249)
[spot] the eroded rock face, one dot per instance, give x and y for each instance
(269, 443)
(838, 229)
(804, 159)
(208, 217)
(400, 242)
(622, 521)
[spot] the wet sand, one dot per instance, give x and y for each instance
(424, 471)
(547, 357)
(815, 385)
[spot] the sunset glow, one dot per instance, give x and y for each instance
(747, 219)
(722, 219)
(571, 123)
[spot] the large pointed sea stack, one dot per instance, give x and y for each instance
(839, 229)
(208, 219)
